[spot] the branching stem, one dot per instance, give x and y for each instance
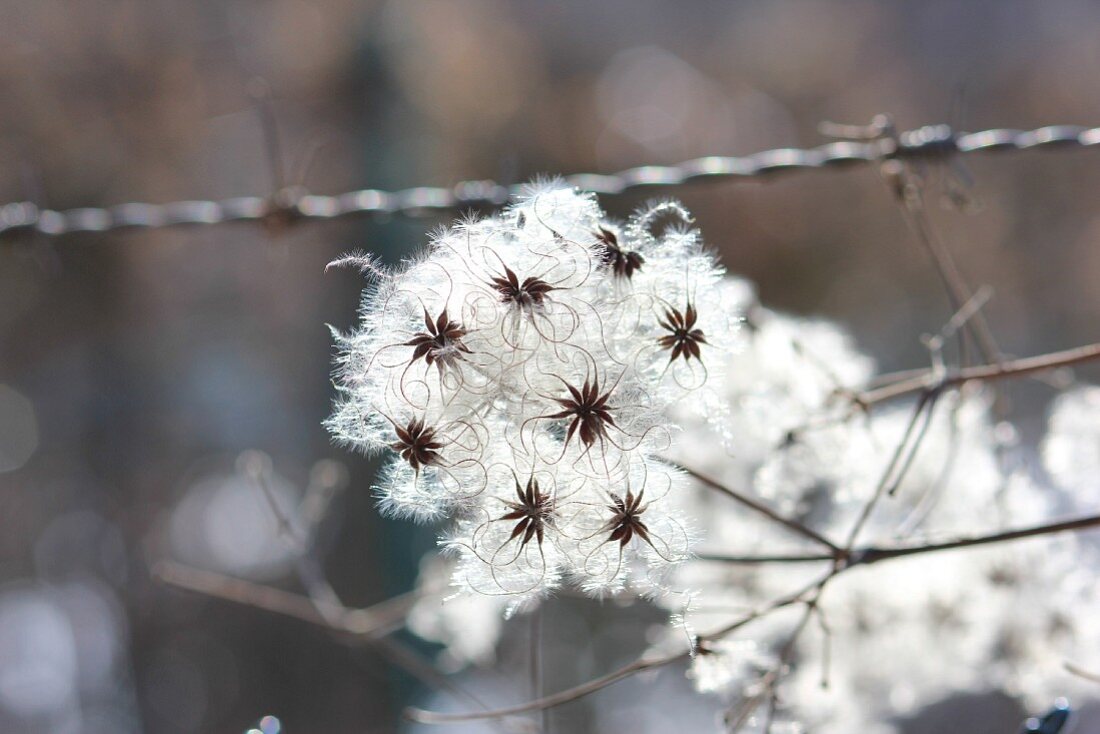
(928, 382)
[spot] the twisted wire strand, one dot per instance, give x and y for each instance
(292, 205)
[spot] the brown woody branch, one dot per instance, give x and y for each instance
(369, 622)
(928, 382)
(760, 508)
(866, 556)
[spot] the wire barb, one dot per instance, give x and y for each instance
(290, 206)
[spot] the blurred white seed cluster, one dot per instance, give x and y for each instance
(529, 370)
(890, 638)
(521, 372)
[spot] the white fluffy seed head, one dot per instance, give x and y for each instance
(521, 370)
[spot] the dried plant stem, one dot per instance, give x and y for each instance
(930, 382)
(771, 679)
(753, 560)
(874, 555)
(911, 199)
(325, 602)
(368, 626)
(370, 622)
(900, 461)
(865, 556)
(760, 508)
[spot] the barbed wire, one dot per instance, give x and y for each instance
(295, 204)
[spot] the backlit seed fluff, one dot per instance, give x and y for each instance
(519, 372)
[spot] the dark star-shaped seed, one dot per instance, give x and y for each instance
(622, 263)
(533, 513)
(417, 444)
(441, 342)
(588, 411)
(626, 519)
(683, 338)
(528, 294)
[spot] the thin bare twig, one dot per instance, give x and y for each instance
(759, 507)
(771, 679)
(327, 604)
(372, 621)
(368, 626)
(903, 456)
(873, 554)
(911, 199)
(754, 560)
(928, 381)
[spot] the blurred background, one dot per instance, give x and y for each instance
(143, 373)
